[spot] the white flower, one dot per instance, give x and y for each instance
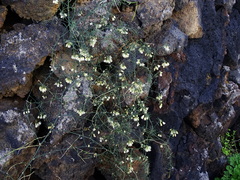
(165, 64)
(68, 80)
(161, 122)
(125, 150)
(147, 148)
(167, 48)
(113, 18)
(123, 30)
(123, 67)
(157, 67)
(93, 41)
(130, 143)
(43, 88)
(173, 132)
(81, 112)
(55, 1)
(141, 50)
(63, 15)
(108, 59)
(69, 44)
(125, 54)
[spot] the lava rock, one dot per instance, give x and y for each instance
(35, 10)
(24, 50)
(17, 132)
(153, 13)
(3, 14)
(189, 19)
(168, 40)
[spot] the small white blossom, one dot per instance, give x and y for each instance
(147, 148)
(93, 41)
(165, 64)
(141, 50)
(69, 44)
(68, 80)
(108, 59)
(113, 18)
(81, 112)
(63, 15)
(55, 1)
(123, 67)
(125, 54)
(43, 88)
(125, 150)
(130, 143)
(156, 68)
(173, 132)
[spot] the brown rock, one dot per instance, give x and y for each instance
(189, 19)
(30, 9)
(153, 13)
(3, 14)
(24, 50)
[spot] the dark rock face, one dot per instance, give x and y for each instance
(22, 51)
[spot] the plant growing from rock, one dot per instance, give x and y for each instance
(103, 76)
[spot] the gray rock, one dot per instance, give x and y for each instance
(22, 51)
(153, 13)
(168, 40)
(17, 133)
(36, 10)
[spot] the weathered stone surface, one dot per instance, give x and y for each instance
(35, 10)
(153, 13)
(228, 4)
(168, 40)
(22, 51)
(233, 40)
(189, 19)
(65, 112)
(17, 133)
(3, 14)
(69, 159)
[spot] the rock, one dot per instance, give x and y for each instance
(3, 14)
(189, 19)
(35, 10)
(168, 40)
(153, 13)
(227, 4)
(233, 41)
(17, 134)
(180, 4)
(24, 50)
(70, 98)
(69, 159)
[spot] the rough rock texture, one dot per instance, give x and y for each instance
(170, 39)
(35, 10)
(3, 13)
(17, 134)
(24, 50)
(153, 13)
(189, 19)
(69, 159)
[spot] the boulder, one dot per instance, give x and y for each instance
(17, 132)
(170, 39)
(35, 10)
(3, 14)
(153, 13)
(23, 51)
(189, 19)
